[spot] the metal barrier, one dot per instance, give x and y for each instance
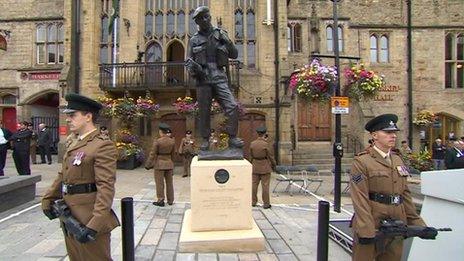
(323, 231)
(127, 216)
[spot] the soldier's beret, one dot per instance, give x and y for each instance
(164, 127)
(200, 11)
(188, 132)
(385, 122)
(78, 102)
(261, 129)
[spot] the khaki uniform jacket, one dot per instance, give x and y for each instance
(161, 154)
(186, 147)
(98, 165)
(262, 157)
(370, 172)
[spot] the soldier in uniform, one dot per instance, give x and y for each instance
(161, 159)
(33, 150)
(263, 162)
(208, 54)
(187, 150)
(86, 181)
(379, 191)
(21, 140)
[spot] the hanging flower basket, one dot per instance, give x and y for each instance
(362, 83)
(421, 160)
(314, 82)
(424, 118)
(126, 108)
(186, 106)
(146, 106)
(128, 147)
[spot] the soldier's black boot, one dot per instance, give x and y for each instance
(159, 203)
(235, 142)
(204, 145)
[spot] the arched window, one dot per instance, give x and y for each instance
(384, 52)
(340, 38)
(107, 42)
(148, 24)
(9, 99)
(245, 31)
(154, 53)
(159, 24)
(181, 23)
(374, 48)
(294, 37)
(192, 24)
(329, 37)
(170, 30)
(454, 60)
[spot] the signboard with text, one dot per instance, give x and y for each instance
(340, 105)
(44, 76)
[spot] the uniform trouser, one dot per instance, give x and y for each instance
(393, 251)
(33, 153)
(22, 163)
(223, 95)
(187, 161)
(45, 150)
(98, 250)
(265, 180)
(162, 175)
(3, 151)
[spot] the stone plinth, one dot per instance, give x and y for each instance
(221, 195)
(247, 240)
(17, 190)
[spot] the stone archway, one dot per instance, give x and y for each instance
(175, 54)
(247, 129)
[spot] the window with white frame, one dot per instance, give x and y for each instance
(49, 43)
(329, 32)
(379, 48)
(294, 37)
(454, 60)
(245, 31)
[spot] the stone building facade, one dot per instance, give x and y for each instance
(31, 61)
(375, 31)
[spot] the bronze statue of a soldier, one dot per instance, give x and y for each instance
(209, 51)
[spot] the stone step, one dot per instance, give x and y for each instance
(299, 161)
(327, 167)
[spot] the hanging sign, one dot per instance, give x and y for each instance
(340, 105)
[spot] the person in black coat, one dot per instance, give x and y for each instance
(45, 141)
(5, 135)
(438, 154)
(454, 157)
(21, 149)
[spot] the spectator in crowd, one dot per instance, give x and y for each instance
(5, 135)
(438, 154)
(404, 149)
(21, 148)
(45, 142)
(33, 151)
(454, 156)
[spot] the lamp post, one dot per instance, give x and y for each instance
(337, 146)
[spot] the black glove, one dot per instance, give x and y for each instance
(87, 235)
(428, 233)
(366, 240)
(51, 215)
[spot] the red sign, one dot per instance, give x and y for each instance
(63, 130)
(44, 76)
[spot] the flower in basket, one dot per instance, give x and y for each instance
(125, 109)
(146, 106)
(128, 144)
(314, 81)
(215, 107)
(362, 83)
(424, 118)
(107, 102)
(223, 141)
(421, 160)
(186, 106)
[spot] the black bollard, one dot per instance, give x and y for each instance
(127, 214)
(323, 231)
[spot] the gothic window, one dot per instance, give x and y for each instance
(294, 37)
(49, 43)
(454, 60)
(148, 23)
(159, 22)
(9, 99)
(329, 37)
(379, 48)
(245, 31)
(181, 23)
(107, 41)
(154, 53)
(192, 24)
(329, 31)
(170, 24)
(374, 48)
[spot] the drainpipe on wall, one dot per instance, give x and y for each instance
(75, 47)
(277, 70)
(409, 104)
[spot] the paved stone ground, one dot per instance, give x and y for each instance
(289, 227)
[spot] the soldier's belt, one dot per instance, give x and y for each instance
(393, 199)
(71, 189)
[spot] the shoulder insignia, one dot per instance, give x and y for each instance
(362, 153)
(357, 178)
